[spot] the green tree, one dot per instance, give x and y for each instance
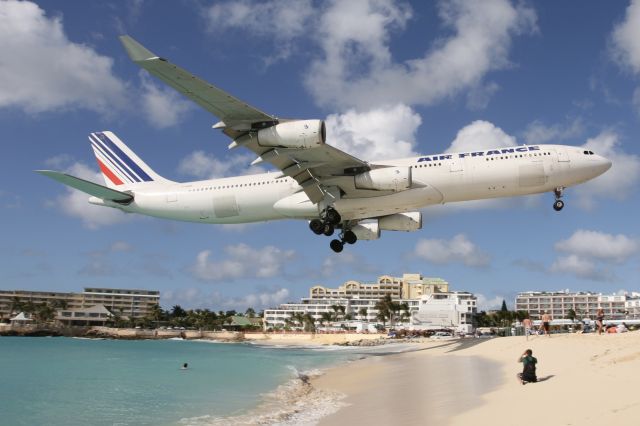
(309, 322)
(571, 314)
(362, 313)
(504, 306)
(250, 313)
(44, 312)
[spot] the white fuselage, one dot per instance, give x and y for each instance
(437, 179)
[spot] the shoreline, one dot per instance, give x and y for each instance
(584, 379)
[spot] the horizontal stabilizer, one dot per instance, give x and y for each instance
(88, 187)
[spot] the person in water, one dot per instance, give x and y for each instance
(185, 366)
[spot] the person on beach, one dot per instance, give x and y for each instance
(527, 324)
(529, 362)
(546, 320)
(599, 319)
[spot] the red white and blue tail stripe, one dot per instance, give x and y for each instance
(119, 165)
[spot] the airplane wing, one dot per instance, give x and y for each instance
(316, 169)
(88, 187)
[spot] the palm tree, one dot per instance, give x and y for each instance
(309, 322)
(16, 304)
(362, 312)
(384, 307)
(325, 317)
(44, 312)
(155, 314)
(298, 318)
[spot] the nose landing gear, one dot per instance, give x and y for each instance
(558, 204)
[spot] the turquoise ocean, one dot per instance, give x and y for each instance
(66, 381)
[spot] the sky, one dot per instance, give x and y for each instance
(391, 79)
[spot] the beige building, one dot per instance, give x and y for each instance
(126, 302)
(358, 299)
(409, 286)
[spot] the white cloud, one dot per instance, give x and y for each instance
(194, 298)
(480, 135)
(206, 166)
(458, 249)
(281, 20)
(636, 99)
(261, 300)
(242, 261)
(594, 244)
(626, 39)
(44, 71)
(162, 106)
(75, 203)
(537, 132)
(619, 181)
(380, 133)
(489, 304)
(581, 268)
(357, 70)
(120, 246)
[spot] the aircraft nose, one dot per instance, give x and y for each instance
(604, 164)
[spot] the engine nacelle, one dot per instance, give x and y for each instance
(367, 231)
(385, 179)
(410, 221)
(299, 134)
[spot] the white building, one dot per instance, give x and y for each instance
(584, 304)
(446, 310)
(357, 301)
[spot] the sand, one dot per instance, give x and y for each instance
(586, 379)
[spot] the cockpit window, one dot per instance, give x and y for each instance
(588, 152)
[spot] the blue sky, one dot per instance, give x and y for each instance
(392, 79)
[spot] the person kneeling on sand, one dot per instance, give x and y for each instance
(528, 367)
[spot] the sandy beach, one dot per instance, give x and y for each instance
(586, 379)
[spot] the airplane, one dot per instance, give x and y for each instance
(317, 182)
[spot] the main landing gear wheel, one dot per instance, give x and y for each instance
(328, 229)
(349, 237)
(336, 245)
(317, 226)
(559, 204)
(332, 216)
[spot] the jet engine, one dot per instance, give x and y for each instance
(410, 221)
(367, 231)
(385, 179)
(300, 134)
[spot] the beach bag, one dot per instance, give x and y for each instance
(529, 372)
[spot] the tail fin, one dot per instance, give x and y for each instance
(119, 165)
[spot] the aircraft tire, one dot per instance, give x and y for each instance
(349, 237)
(328, 229)
(558, 205)
(332, 216)
(317, 226)
(336, 245)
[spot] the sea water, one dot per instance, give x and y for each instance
(65, 381)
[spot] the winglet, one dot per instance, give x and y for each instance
(135, 50)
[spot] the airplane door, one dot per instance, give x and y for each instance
(563, 157)
(456, 165)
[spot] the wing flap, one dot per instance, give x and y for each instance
(88, 187)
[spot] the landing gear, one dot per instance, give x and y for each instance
(336, 245)
(349, 237)
(329, 220)
(558, 204)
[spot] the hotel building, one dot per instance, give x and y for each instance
(125, 302)
(359, 300)
(584, 304)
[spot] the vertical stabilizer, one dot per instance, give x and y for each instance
(119, 165)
